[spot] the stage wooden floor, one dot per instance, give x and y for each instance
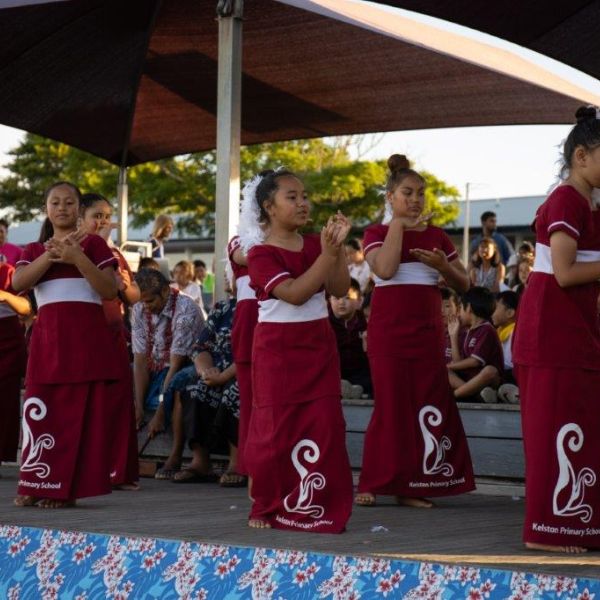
(478, 529)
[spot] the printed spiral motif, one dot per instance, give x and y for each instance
(35, 409)
(430, 415)
(568, 480)
(309, 482)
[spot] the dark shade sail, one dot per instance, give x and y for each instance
(135, 80)
(566, 30)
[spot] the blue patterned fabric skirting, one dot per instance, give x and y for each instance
(46, 564)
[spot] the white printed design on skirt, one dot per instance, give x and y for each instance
(308, 481)
(435, 452)
(35, 409)
(574, 484)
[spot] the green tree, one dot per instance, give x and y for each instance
(185, 186)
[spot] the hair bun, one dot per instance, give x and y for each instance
(586, 112)
(397, 162)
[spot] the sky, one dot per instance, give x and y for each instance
(497, 162)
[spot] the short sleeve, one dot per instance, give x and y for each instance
(99, 253)
(485, 345)
(139, 339)
(266, 268)
(234, 244)
(373, 238)
(186, 326)
(30, 253)
(448, 247)
(566, 211)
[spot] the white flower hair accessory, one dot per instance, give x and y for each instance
(250, 230)
(388, 213)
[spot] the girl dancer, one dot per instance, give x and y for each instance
(415, 444)
(96, 215)
(556, 353)
(66, 427)
(242, 334)
(12, 361)
(295, 451)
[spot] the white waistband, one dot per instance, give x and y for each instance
(412, 273)
(66, 290)
(244, 291)
(543, 258)
(278, 311)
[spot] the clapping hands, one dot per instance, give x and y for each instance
(67, 250)
(334, 233)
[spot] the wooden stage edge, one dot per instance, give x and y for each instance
(482, 529)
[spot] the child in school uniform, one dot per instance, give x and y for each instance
(96, 215)
(556, 355)
(504, 319)
(349, 323)
(66, 414)
(415, 443)
(295, 451)
(450, 308)
(477, 360)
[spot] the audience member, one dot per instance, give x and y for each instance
(489, 229)
(183, 275)
(205, 280)
(349, 324)
(524, 268)
(162, 229)
(477, 360)
(504, 318)
(450, 308)
(210, 404)
(8, 252)
(487, 270)
(526, 249)
(147, 262)
(165, 325)
(357, 265)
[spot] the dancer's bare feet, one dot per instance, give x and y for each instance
(127, 487)
(550, 548)
(414, 502)
(53, 503)
(365, 499)
(258, 524)
(23, 501)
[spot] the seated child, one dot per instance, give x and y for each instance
(357, 265)
(504, 320)
(348, 322)
(477, 360)
(450, 307)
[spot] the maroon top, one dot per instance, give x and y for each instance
(558, 327)
(483, 344)
(71, 342)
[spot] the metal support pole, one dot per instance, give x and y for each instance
(467, 225)
(229, 119)
(123, 206)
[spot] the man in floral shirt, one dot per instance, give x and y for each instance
(165, 325)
